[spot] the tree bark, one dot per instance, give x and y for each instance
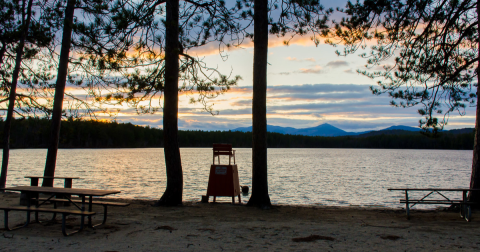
(59, 93)
(260, 195)
(13, 93)
(174, 191)
(475, 177)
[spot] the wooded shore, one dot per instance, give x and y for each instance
(34, 133)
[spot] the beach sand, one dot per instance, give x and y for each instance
(226, 227)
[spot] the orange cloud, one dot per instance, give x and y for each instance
(316, 70)
(273, 41)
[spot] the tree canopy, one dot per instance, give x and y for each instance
(425, 51)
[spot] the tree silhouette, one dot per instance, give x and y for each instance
(293, 18)
(93, 13)
(20, 28)
(434, 46)
(160, 61)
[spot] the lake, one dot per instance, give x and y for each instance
(331, 177)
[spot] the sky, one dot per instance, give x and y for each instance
(308, 85)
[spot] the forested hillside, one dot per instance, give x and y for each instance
(34, 132)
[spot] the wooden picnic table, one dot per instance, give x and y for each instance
(465, 209)
(85, 209)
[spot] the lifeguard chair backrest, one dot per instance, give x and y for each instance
(222, 149)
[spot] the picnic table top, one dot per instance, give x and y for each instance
(433, 189)
(49, 177)
(61, 190)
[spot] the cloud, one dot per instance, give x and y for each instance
(241, 90)
(212, 123)
(300, 60)
(349, 71)
(242, 103)
(350, 107)
(315, 70)
(337, 63)
(273, 41)
(310, 88)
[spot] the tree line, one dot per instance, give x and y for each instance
(34, 133)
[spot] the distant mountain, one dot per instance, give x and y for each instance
(385, 132)
(401, 127)
(270, 128)
(321, 130)
(332, 131)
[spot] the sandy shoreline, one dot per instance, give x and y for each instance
(227, 227)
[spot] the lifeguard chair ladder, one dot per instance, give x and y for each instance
(223, 149)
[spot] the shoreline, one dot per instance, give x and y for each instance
(188, 203)
(227, 227)
(224, 200)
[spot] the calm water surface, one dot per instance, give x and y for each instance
(336, 177)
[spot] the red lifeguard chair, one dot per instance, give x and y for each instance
(223, 179)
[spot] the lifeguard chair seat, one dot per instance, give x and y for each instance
(223, 149)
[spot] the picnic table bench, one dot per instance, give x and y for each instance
(36, 210)
(104, 204)
(67, 193)
(465, 205)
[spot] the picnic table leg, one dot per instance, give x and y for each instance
(239, 199)
(465, 208)
(6, 221)
(407, 207)
(67, 184)
(64, 225)
(90, 209)
(28, 196)
(83, 208)
(104, 217)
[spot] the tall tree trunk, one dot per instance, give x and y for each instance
(260, 195)
(13, 92)
(173, 192)
(59, 93)
(475, 177)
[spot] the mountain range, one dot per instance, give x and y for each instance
(331, 131)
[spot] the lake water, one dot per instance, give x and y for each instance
(332, 177)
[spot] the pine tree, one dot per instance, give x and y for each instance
(160, 61)
(26, 36)
(435, 46)
(294, 18)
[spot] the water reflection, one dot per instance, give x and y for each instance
(296, 176)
